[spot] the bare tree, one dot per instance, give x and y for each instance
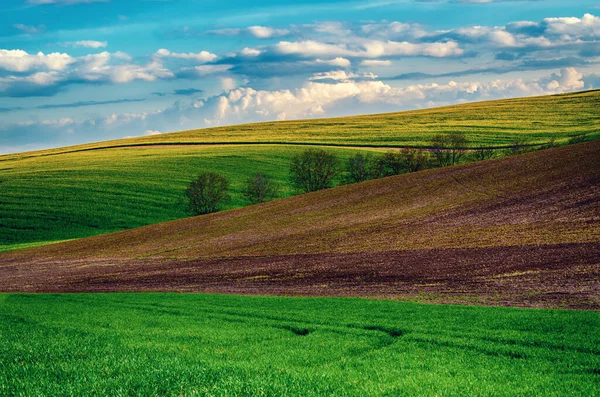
(449, 149)
(207, 192)
(260, 188)
(313, 169)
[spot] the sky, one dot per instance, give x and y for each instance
(78, 71)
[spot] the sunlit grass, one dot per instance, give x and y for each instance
(184, 345)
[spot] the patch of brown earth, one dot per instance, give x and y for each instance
(562, 275)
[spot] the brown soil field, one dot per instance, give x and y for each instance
(523, 231)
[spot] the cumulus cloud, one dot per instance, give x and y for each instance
(202, 56)
(62, 70)
(569, 79)
(345, 93)
(369, 49)
(21, 61)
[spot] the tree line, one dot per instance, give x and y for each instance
(318, 169)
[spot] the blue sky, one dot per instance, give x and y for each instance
(75, 71)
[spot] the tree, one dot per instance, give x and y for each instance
(401, 161)
(414, 159)
(448, 149)
(483, 154)
(390, 163)
(207, 192)
(313, 169)
(359, 168)
(260, 188)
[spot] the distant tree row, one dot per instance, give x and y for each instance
(317, 169)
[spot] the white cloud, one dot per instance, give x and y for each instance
(375, 63)
(569, 79)
(369, 49)
(346, 95)
(90, 44)
(228, 84)
(202, 56)
(262, 32)
(341, 75)
(339, 61)
(250, 52)
(21, 61)
(152, 132)
(586, 27)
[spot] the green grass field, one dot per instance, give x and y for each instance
(93, 189)
(185, 345)
(54, 198)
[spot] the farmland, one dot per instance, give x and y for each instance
(179, 344)
(87, 190)
(514, 231)
(54, 198)
(521, 230)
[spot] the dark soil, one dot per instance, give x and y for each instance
(560, 276)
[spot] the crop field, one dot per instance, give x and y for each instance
(54, 198)
(186, 345)
(522, 230)
(87, 190)
(498, 123)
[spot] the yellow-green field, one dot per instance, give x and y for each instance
(92, 189)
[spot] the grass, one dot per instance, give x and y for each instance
(55, 198)
(185, 345)
(86, 190)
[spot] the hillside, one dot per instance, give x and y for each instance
(522, 230)
(87, 190)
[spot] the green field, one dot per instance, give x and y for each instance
(93, 189)
(185, 345)
(54, 198)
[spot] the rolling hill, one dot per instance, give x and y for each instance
(522, 230)
(88, 190)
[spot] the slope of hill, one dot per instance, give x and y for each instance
(93, 189)
(522, 230)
